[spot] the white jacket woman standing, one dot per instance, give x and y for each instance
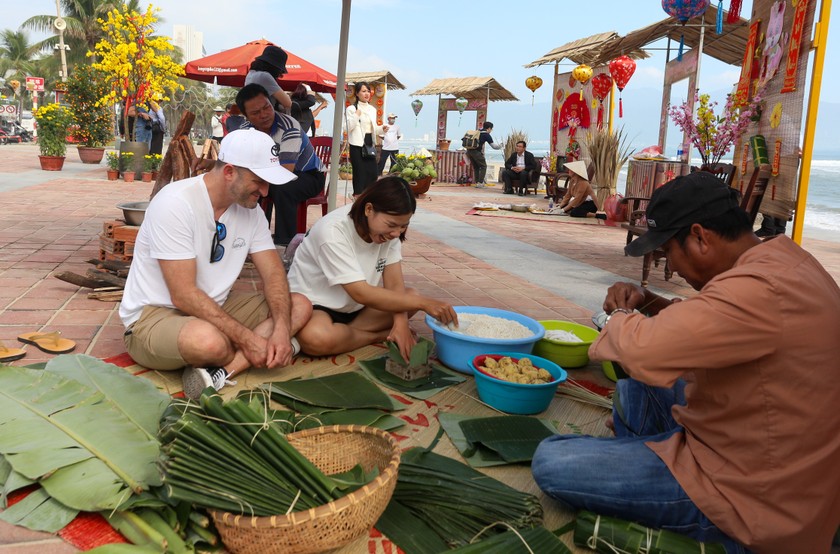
(360, 124)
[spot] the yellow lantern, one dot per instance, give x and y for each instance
(582, 74)
(533, 83)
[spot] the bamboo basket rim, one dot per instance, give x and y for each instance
(359, 495)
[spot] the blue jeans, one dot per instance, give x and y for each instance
(621, 477)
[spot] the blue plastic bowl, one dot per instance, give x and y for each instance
(516, 398)
(457, 350)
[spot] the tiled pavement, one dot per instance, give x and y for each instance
(49, 222)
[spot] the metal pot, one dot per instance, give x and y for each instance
(133, 212)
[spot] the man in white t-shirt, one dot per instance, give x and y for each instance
(217, 126)
(390, 142)
(178, 307)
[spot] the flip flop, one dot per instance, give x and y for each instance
(10, 354)
(51, 343)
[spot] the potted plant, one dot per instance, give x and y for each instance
(93, 127)
(52, 120)
(151, 163)
(127, 166)
(113, 161)
(417, 169)
(345, 171)
(135, 63)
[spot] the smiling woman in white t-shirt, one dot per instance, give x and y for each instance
(348, 266)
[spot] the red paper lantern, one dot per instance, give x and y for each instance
(601, 86)
(621, 69)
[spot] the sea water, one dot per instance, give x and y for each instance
(822, 208)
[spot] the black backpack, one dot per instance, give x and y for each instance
(470, 140)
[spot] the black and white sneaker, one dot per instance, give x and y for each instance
(196, 379)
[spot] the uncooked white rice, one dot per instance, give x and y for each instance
(490, 327)
(562, 336)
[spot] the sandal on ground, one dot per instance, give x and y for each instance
(51, 343)
(10, 354)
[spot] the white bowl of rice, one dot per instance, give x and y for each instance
(483, 331)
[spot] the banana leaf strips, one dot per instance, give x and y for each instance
(342, 390)
(440, 503)
(620, 536)
(527, 541)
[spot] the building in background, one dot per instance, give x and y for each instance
(190, 41)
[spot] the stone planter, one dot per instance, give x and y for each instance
(91, 154)
(113, 174)
(51, 163)
(139, 149)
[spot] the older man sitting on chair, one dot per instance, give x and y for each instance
(518, 166)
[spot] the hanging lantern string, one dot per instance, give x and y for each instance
(719, 18)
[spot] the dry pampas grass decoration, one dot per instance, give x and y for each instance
(608, 152)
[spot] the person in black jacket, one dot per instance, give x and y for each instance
(302, 101)
(518, 167)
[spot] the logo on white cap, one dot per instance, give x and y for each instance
(256, 151)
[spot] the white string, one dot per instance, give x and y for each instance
(509, 526)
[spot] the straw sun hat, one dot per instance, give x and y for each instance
(578, 168)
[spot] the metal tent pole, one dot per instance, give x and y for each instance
(335, 152)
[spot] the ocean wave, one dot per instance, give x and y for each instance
(822, 218)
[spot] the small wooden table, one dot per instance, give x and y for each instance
(551, 188)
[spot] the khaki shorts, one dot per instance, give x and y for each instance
(152, 340)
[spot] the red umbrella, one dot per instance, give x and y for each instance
(229, 68)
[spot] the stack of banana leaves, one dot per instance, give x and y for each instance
(440, 503)
(341, 399)
(611, 535)
(83, 435)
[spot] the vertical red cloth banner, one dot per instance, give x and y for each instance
(734, 11)
(789, 83)
(743, 91)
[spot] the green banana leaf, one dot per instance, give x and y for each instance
(123, 548)
(513, 438)
(479, 456)
(139, 400)
(617, 535)
(342, 390)
(11, 482)
(408, 531)
(372, 418)
(40, 512)
(86, 453)
(526, 541)
(423, 388)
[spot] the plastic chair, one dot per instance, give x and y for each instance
(323, 149)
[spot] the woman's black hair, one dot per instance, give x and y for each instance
(259, 65)
(356, 88)
(300, 92)
(391, 195)
(487, 126)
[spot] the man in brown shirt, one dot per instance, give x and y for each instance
(727, 428)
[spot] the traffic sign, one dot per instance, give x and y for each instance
(35, 84)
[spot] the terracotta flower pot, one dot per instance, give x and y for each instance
(113, 174)
(147, 176)
(51, 163)
(128, 176)
(90, 154)
(420, 186)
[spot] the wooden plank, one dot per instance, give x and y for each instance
(114, 266)
(79, 280)
(106, 278)
(106, 296)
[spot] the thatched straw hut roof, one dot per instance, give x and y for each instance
(469, 88)
(374, 77)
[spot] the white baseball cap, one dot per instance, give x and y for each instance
(256, 151)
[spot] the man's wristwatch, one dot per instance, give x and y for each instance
(615, 311)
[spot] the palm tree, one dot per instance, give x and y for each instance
(18, 57)
(83, 28)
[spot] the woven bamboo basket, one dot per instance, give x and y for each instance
(333, 449)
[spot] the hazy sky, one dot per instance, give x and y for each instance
(421, 41)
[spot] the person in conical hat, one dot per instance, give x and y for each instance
(579, 200)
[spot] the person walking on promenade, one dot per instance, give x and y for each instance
(726, 430)
(178, 307)
(391, 135)
(360, 125)
(476, 155)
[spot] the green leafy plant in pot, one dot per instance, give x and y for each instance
(53, 121)
(92, 121)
